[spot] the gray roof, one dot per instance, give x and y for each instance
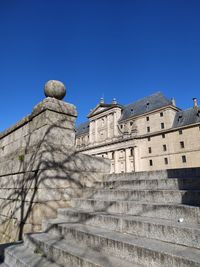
(144, 105)
(186, 117)
(82, 128)
(138, 107)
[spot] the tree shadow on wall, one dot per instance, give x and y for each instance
(49, 174)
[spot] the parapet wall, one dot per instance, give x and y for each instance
(39, 168)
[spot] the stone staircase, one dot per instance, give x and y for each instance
(139, 219)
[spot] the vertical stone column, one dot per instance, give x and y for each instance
(127, 160)
(115, 124)
(96, 131)
(90, 132)
(136, 159)
(108, 126)
(116, 157)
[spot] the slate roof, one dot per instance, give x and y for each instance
(186, 117)
(82, 128)
(144, 105)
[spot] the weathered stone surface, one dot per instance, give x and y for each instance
(55, 89)
(39, 168)
(135, 233)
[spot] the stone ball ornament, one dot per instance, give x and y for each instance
(55, 89)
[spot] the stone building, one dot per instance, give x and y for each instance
(149, 134)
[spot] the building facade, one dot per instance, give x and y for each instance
(149, 134)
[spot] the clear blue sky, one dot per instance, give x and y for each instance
(113, 48)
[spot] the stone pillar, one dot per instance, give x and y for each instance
(127, 160)
(108, 126)
(96, 131)
(40, 169)
(136, 159)
(52, 122)
(116, 157)
(90, 133)
(115, 125)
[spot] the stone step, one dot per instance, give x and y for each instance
(161, 174)
(191, 197)
(161, 229)
(190, 214)
(145, 251)
(19, 256)
(181, 184)
(68, 253)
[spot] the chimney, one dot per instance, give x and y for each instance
(102, 100)
(173, 101)
(114, 102)
(195, 102)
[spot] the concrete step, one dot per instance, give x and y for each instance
(190, 214)
(20, 256)
(160, 229)
(68, 253)
(154, 184)
(145, 251)
(191, 197)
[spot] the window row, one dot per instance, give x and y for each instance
(161, 115)
(163, 135)
(182, 145)
(122, 153)
(183, 158)
(162, 126)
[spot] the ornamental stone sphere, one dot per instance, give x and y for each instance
(55, 89)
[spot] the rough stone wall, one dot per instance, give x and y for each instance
(40, 170)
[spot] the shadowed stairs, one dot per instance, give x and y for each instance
(139, 219)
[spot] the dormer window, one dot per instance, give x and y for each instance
(180, 117)
(147, 105)
(132, 111)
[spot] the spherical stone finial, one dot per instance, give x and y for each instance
(55, 89)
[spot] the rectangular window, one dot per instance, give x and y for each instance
(182, 144)
(166, 161)
(148, 129)
(184, 159)
(131, 152)
(164, 148)
(149, 138)
(161, 114)
(180, 132)
(147, 118)
(121, 126)
(163, 135)
(151, 162)
(162, 125)
(149, 148)
(131, 123)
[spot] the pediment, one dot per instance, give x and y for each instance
(98, 109)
